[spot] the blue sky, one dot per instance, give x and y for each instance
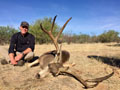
(88, 16)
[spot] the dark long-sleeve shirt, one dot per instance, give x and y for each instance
(20, 43)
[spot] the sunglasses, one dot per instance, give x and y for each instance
(25, 27)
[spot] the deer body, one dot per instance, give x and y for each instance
(49, 57)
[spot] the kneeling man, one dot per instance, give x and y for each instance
(22, 45)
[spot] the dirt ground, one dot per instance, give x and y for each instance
(92, 60)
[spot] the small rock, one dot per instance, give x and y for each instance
(3, 61)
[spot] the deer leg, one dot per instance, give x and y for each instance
(69, 65)
(33, 63)
(43, 73)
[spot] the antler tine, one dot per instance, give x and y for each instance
(53, 23)
(43, 29)
(51, 36)
(98, 80)
(48, 32)
(61, 30)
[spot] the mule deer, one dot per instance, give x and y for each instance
(54, 61)
(54, 55)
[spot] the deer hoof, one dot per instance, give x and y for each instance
(37, 76)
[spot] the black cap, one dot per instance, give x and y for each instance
(24, 23)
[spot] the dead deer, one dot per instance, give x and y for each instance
(52, 56)
(54, 61)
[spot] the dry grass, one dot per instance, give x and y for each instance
(92, 60)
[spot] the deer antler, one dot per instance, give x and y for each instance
(96, 81)
(57, 69)
(54, 39)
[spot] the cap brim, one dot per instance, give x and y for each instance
(24, 26)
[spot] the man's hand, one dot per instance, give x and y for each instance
(12, 59)
(13, 62)
(18, 57)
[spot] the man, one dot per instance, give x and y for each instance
(21, 45)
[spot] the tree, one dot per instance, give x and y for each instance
(40, 36)
(6, 33)
(110, 36)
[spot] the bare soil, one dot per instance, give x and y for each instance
(92, 61)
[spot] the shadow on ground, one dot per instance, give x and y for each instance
(107, 60)
(115, 45)
(34, 58)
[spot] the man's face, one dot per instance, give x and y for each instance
(23, 29)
